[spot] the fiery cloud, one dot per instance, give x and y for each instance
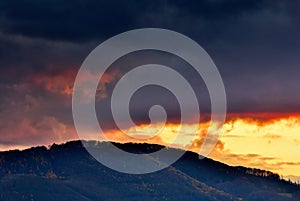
(58, 83)
(266, 143)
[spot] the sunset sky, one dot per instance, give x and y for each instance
(254, 44)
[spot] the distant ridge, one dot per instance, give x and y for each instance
(68, 172)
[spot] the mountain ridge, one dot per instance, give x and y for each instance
(69, 170)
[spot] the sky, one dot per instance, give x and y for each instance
(254, 44)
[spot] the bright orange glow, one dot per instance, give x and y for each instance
(274, 145)
(253, 141)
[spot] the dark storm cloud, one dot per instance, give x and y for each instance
(21, 56)
(65, 20)
(88, 20)
(255, 45)
(256, 40)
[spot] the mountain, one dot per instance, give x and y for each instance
(68, 172)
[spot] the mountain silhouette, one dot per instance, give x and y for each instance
(69, 172)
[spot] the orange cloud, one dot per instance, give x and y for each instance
(263, 141)
(58, 83)
(29, 132)
(260, 118)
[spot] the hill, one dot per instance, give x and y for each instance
(68, 172)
